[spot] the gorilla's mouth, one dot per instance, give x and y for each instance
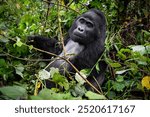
(79, 36)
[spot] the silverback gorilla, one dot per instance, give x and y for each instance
(84, 45)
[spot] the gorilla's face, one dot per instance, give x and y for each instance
(85, 28)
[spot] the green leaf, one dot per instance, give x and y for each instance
(65, 85)
(73, 6)
(36, 98)
(53, 71)
(86, 71)
(123, 50)
(120, 78)
(79, 91)
(111, 95)
(2, 63)
(62, 13)
(30, 47)
(131, 65)
(13, 92)
(94, 96)
(42, 64)
(115, 64)
(57, 77)
(118, 86)
(146, 32)
(121, 55)
(47, 94)
(18, 43)
(19, 69)
(97, 67)
(128, 83)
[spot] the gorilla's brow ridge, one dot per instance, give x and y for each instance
(92, 16)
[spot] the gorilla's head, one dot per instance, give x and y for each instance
(88, 27)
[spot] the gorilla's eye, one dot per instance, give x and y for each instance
(89, 24)
(81, 20)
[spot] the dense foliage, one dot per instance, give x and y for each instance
(127, 50)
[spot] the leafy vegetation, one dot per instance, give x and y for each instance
(127, 50)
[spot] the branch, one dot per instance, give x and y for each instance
(63, 58)
(47, 14)
(60, 30)
(62, 6)
(23, 59)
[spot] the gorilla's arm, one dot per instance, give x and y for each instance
(46, 44)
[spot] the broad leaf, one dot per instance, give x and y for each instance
(2, 62)
(43, 74)
(19, 69)
(118, 86)
(83, 73)
(53, 71)
(146, 82)
(141, 49)
(120, 78)
(13, 92)
(47, 94)
(94, 96)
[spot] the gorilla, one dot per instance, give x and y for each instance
(84, 46)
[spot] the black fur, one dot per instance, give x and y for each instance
(86, 41)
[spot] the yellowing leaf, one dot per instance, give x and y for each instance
(146, 82)
(18, 43)
(30, 47)
(18, 6)
(37, 86)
